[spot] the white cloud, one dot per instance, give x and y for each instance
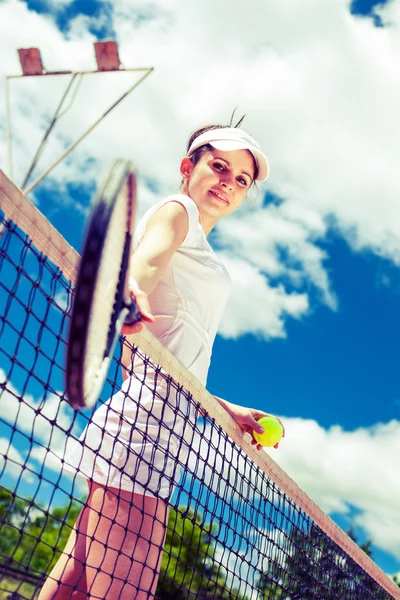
(321, 88)
(256, 307)
(61, 300)
(50, 423)
(9, 452)
(389, 14)
(340, 469)
(261, 236)
(260, 550)
(12, 463)
(57, 6)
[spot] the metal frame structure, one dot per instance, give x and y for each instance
(107, 61)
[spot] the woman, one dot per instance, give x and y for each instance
(115, 548)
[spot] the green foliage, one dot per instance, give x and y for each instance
(189, 569)
(30, 535)
(33, 537)
(366, 546)
(314, 567)
(9, 585)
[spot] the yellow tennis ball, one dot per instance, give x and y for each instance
(273, 431)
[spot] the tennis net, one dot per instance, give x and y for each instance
(238, 527)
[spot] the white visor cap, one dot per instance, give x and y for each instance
(231, 138)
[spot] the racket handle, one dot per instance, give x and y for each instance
(133, 315)
(127, 316)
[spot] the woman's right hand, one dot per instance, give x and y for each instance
(143, 305)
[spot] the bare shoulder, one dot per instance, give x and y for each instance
(171, 216)
(171, 211)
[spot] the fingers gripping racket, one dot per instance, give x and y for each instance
(102, 302)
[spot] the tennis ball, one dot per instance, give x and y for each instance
(273, 431)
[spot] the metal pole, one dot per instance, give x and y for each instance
(72, 146)
(47, 133)
(86, 72)
(8, 128)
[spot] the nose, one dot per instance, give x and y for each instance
(226, 180)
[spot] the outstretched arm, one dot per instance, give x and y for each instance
(165, 232)
(247, 419)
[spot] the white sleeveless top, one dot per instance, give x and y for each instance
(191, 294)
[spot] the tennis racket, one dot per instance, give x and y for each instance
(102, 303)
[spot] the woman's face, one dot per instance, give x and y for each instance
(219, 182)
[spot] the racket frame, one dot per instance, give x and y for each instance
(120, 178)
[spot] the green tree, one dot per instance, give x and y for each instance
(13, 512)
(314, 567)
(31, 536)
(45, 536)
(188, 568)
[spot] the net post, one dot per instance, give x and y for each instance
(8, 126)
(89, 130)
(48, 131)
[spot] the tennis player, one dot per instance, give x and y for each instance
(129, 451)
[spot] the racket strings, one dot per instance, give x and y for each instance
(102, 320)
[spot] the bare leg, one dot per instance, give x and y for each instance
(69, 571)
(119, 538)
(125, 538)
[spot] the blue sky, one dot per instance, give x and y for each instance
(332, 361)
(336, 367)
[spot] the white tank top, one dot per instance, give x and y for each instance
(191, 294)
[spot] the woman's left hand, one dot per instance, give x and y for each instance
(247, 419)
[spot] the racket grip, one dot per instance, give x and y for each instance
(133, 315)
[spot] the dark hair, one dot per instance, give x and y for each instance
(198, 153)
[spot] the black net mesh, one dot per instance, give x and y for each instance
(211, 524)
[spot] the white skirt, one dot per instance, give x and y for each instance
(139, 439)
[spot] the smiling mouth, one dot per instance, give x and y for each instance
(218, 196)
